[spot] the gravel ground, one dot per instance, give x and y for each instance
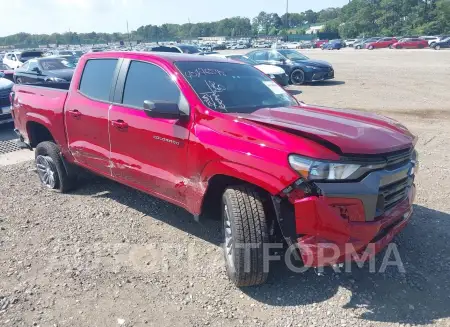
(107, 255)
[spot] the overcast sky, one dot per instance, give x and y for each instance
(47, 16)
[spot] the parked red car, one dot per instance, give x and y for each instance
(318, 43)
(207, 133)
(7, 71)
(384, 42)
(411, 43)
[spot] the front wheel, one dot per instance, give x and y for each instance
(437, 47)
(245, 234)
(51, 169)
(358, 47)
(398, 46)
(370, 47)
(297, 77)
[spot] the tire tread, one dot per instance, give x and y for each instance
(250, 228)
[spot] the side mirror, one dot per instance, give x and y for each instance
(162, 109)
(36, 70)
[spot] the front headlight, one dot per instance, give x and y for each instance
(312, 67)
(328, 170)
(272, 76)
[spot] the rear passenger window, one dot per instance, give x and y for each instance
(148, 82)
(97, 78)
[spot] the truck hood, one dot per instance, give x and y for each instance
(344, 131)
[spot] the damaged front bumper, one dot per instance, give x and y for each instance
(339, 222)
(328, 238)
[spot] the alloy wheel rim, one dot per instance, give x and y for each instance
(46, 171)
(228, 246)
(297, 77)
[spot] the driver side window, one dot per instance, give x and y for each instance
(146, 81)
(32, 65)
(275, 56)
(25, 66)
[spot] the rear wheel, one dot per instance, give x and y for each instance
(398, 47)
(421, 46)
(51, 169)
(245, 233)
(358, 47)
(370, 47)
(437, 47)
(297, 77)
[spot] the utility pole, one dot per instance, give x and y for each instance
(287, 14)
(129, 37)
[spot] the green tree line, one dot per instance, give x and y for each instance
(357, 18)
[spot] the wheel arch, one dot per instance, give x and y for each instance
(38, 131)
(217, 176)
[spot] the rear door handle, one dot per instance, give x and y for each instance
(75, 113)
(119, 124)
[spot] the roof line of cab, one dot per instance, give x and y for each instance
(169, 56)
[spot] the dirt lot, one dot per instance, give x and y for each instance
(107, 255)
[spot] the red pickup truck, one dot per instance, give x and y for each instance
(207, 133)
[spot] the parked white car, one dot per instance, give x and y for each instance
(12, 60)
(17, 59)
(350, 42)
(239, 46)
(430, 39)
(292, 45)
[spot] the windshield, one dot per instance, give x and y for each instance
(293, 55)
(4, 67)
(53, 64)
(233, 87)
(189, 49)
(243, 59)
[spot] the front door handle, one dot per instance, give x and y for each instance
(75, 113)
(119, 124)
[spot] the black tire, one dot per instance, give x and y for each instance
(49, 153)
(398, 46)
(437, 47)
(370, 47)
(297, 77)
(358, 47)
(243, 208)
(432, 45)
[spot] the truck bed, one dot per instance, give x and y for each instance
(40, 104)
